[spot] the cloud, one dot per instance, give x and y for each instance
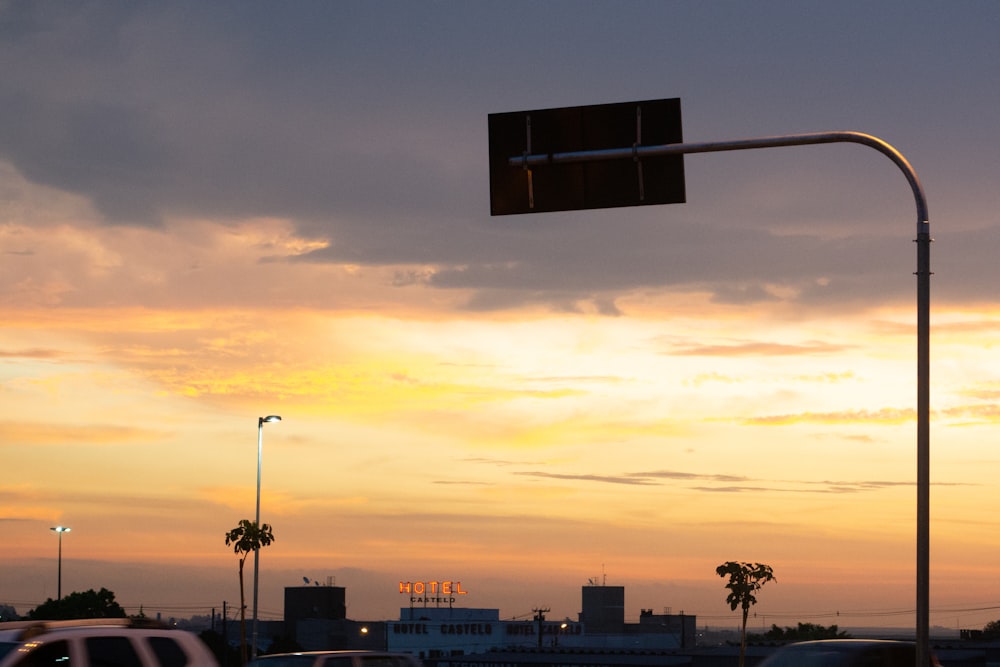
(461, 482)
(492, 461)
(31, 353)
(687, 476)
(608, 479)
(370, 139)
(728, 483)
(882, 416)
(42, 434)
(759, 349)
(722, 483)
(988, 413)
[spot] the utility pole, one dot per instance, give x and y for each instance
(225, 637)
(540, 619)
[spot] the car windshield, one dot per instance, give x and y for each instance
(7, 647)
(808, 656)
(290, 660)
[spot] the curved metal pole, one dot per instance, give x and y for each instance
(923, 274)
(638, 152)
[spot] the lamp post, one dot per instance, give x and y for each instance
(59, 530)
(256, 552)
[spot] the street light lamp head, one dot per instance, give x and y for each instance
(269, 418)
(61, 529)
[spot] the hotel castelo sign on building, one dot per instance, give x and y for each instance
(431, 591)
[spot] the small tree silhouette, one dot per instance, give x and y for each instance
(245, 539)
(745, 579)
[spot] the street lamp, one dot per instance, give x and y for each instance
(59, 530)
(256, 552)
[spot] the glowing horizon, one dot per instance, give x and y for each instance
(201, 227)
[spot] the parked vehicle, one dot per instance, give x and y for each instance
(336, 659)
(846, 653)
(102, 642)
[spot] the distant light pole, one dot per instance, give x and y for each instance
(59, 530)
(256, 552)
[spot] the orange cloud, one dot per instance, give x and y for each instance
(883, 416)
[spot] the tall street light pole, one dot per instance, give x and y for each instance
(256, 552)
(59, 530)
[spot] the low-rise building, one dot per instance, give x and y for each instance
(432, 629)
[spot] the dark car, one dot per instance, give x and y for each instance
(846, 653)
(336, 659)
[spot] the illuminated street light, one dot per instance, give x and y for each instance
(562, 629)
(256, 552)
(59, 530)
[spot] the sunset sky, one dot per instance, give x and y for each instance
(212, 212)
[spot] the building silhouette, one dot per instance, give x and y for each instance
(315, 618)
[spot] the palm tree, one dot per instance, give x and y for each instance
(745, 579)
(245, 539)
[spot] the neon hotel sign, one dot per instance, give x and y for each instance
(431, 591)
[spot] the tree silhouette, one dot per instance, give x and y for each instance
(88, 604)
(245, 539)
(804, 632)
(745, 579)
